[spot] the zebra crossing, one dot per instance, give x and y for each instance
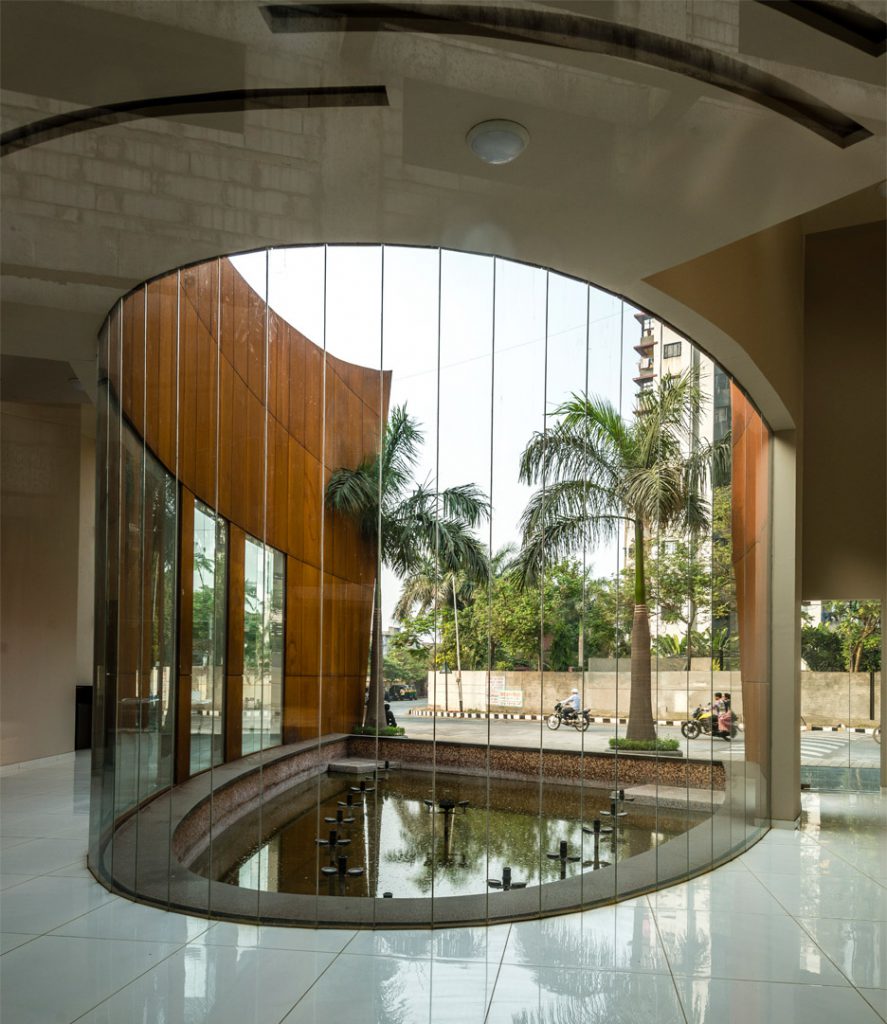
(813, 748)
(819, 747)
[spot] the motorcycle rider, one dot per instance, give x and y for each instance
(725, 718)
(712, 710)
(571, 704)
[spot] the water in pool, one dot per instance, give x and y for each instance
(407, 848)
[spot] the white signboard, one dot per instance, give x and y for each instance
(503, 697)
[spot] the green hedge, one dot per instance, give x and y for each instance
(625, 744)
(386, 730)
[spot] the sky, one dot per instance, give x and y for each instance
(480, 349)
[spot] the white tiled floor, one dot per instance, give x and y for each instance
(794, 932)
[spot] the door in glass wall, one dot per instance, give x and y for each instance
(840, 695)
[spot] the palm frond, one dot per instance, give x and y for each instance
(458, 550)
(573, 499)
(656, 492)
(420, 588)
(466, 502)
(589, 440)
(502, 559)
(562, 536)
(354, 493)
(400, 450)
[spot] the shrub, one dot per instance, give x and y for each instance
(625, 744)
(386, 730)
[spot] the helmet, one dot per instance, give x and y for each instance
(574, 690)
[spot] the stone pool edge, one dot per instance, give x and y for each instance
(172, 830)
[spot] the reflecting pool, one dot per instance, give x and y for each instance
(414, 834)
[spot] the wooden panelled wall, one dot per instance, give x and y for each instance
(751, 562)
(255, 436)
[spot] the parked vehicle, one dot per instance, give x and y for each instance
(702, 721)
(401, 691)
(579, 720)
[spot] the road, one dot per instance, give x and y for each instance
(834, 749)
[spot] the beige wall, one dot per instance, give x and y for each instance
(750, 292)
(603, 693)
(41, 543)
(827, 698)
(832, 698)
(845, 408)
(808, 311)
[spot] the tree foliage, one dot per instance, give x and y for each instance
(506, 625)
(407, 521)
(848, 640)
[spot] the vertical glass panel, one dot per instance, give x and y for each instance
(724, 616)
(263, 608)
(274, 579)
(460, 575)
(158, 673)
(518, 422)
(407, 409)
(255, 645)
(208, 639)
(131, 714)
(105, 736)
(607, 622)
(159, 629)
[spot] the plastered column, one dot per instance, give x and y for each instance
(785, 636)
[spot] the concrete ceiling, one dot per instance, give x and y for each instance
(631, 169)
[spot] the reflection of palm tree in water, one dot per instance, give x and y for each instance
(483, 839)
(478, 841)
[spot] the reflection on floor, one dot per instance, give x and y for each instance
(794, 931)
(836, 779)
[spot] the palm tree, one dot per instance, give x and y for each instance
(411, 523)
(599, 472)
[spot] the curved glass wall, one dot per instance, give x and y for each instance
(433, 587)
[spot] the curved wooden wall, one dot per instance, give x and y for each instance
(256, 435)
(751, 566)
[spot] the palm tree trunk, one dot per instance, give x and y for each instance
(458, 652)
(581, 643)
(373, 715)
(640, 711)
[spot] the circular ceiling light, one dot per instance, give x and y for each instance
(497, 142)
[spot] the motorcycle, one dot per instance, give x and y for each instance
(563, 713)
(702, 721)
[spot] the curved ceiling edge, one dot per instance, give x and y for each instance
(581, 34)
(76, 121)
